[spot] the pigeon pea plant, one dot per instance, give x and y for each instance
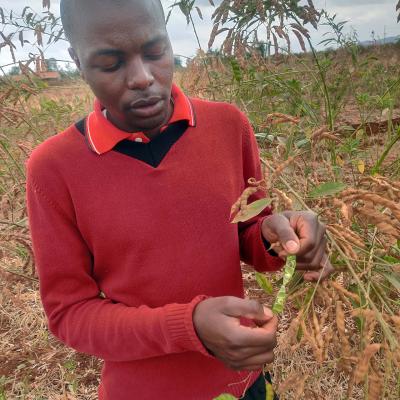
(242, 212)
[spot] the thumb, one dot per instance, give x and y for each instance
(250, 309)
(287, 236)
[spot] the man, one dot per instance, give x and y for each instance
(129, 214)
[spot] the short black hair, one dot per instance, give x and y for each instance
(67, 8)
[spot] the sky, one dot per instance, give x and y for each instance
(363, 16)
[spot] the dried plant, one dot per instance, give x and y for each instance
(336, 339)
(247, 18)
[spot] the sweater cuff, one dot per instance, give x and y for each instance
(179, 319)
(274, 262)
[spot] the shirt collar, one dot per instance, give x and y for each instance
(103, 136)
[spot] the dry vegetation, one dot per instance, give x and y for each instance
(33, 364)
(339, 339)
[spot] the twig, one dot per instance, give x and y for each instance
(19, 274)
(12, 224)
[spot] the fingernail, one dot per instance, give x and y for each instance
(268, 313)
(292, 246)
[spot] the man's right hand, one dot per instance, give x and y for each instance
(217, 323)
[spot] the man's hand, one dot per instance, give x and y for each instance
(300, 233)
(217, 323)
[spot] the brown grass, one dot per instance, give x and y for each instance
(336, 340)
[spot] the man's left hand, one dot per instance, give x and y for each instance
(300, 233)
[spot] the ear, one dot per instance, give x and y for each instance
(77, 62)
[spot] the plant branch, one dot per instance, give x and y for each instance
(385, 327)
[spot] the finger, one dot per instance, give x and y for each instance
(238, 355)
(311, 233)
(313, 276)
(251, 309)
(257, 360)
(240, 368)
(316, 260)
(283, 254)
(263, 336)
(286, 234)
(271, 325)
(324, 273)
(277, 247)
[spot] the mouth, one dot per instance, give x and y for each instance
(146, 108)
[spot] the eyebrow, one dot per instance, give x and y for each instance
(156, 40)
(106, 52)
(118, 53)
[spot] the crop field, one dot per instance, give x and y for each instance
(328, 128)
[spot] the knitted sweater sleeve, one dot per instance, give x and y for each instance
(76, 312)
(252, 247)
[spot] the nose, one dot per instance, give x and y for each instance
(139, 75)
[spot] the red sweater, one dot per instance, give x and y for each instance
(155, 241)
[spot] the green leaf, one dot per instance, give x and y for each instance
(264, 283)
(225, 397)
(391, 260)
(327, 189)
(303, 142)
(252, 210)
(288, 272)
(237, 71)
(29, 17)
(199, 12)
(24, 11)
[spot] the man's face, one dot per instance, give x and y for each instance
(124, 54)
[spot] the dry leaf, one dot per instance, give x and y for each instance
(361, 166)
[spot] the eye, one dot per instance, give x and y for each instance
(111, 67)
(155, 56)
(156, 52)
(108, 63)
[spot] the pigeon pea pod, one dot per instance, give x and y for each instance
(288, 273)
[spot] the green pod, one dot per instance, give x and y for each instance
(288, 272)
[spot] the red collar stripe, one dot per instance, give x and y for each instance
(102, 135)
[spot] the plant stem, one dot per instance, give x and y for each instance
(201, 49)
(14, 224)
(5, 148)
(387, 150)
(19, 275)
(327, 98)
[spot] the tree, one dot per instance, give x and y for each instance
(178, 62)
(69, 72)
(52, 65)
(46, 28)
(14, 70)
(244, 21)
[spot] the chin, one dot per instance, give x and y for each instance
(148, 124)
